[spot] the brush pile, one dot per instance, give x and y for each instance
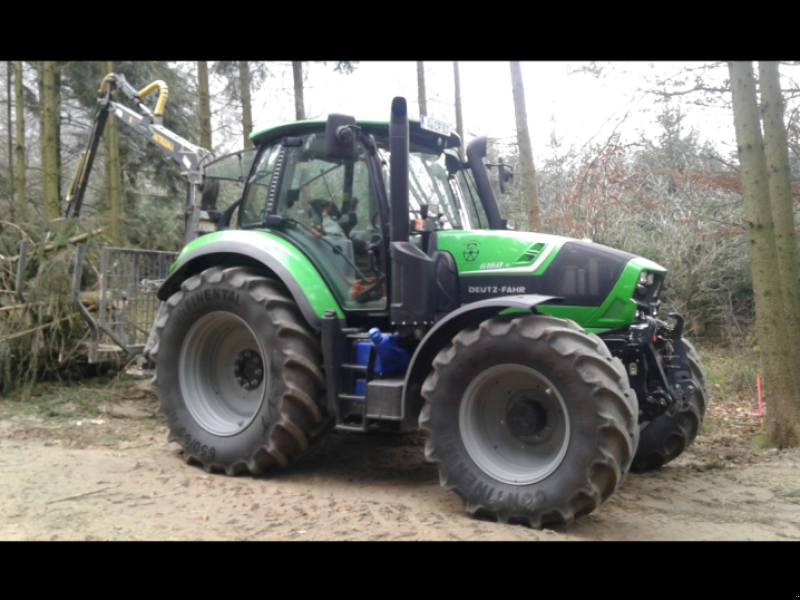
(40, 327)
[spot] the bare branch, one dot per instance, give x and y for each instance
(697, 88)
(727, 164)
(710, 218)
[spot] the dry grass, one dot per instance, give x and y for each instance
(731, 373)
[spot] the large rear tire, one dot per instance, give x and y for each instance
(237, 373)
(666, 437)
(530, 420)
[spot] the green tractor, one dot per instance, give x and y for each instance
(366, 281)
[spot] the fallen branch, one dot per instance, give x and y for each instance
(18, 228)
(14, 336)
(16, 306)
(76, 496)
(75, 239)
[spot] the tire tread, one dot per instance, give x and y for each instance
(302, 420)
(592, 362)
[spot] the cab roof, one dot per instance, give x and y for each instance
(418, 135)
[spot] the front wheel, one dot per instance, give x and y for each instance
(237, 372)
(666, 437)
(530, 420)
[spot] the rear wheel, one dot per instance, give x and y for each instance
(237, 372)
(530, 420)
(666, 437)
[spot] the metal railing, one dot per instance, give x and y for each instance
(129, 281)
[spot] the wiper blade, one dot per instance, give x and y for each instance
(322, 174)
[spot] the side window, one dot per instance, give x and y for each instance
(477, 214)
(230, 172)
(315, 192)
(235, 167)
(257, 194)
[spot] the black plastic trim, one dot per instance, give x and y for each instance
(398, 167)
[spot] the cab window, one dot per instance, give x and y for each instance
(254, 205)
(330, 210)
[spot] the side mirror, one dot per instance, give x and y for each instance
(453, 164)
(209, 193)
(433, 211)
(339, 137)
(505, 173)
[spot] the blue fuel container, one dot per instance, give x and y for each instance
(390, 357)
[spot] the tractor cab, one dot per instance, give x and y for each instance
(334, 206)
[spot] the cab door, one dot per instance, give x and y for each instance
(329, 209)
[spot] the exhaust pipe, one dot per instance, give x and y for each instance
(398, 169)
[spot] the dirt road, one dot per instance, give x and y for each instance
(113, 476)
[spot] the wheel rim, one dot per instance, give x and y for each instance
(514, 424)
(219, 377)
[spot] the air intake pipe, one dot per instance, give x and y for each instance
(412, 273)
(476, 151)
(398, 169)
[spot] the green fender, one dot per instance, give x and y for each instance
(255, 248)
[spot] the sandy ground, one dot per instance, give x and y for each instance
(113, 476)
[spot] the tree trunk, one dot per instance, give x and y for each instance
(527, 171)
(113, 183)
(459, 116)
(204, 104)
(11, 185)
(776, 147)
(297, 75)
(19, 109)
(423, 102)
(49, 143)
(247, 107)
(57, 115)
(782, 419)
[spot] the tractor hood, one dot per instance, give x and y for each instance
(598, 283)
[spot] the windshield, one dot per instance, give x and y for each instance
(429, 183)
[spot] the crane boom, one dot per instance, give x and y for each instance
(189, 157)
